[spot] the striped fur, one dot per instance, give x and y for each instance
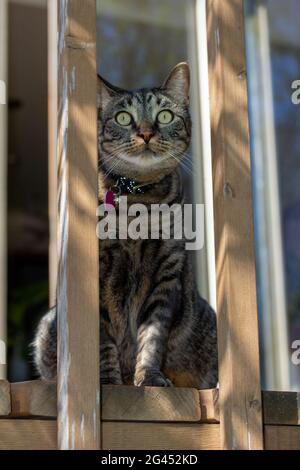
(155, 328)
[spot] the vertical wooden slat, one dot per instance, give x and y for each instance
(240, 390)
(78, 280)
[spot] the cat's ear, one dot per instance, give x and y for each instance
(105, 92)
(178, 82)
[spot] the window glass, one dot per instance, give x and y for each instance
(138, 44)
(273, 55)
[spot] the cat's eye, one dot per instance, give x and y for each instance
(123, 118)
(165, 117)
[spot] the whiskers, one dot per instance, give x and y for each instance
(113, 159)
(113, 162)
(184, 160)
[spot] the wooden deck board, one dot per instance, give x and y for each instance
(150, 404)
(282, 437)
(119, 403)
(160, 436)
(27, 434)
(123, 403)
(140, 418)
(5, 403)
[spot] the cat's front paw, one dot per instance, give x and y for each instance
(152, 378)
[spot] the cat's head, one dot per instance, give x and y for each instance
(144, 134)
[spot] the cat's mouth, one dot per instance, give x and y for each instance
(148, 152)
(142, 152)
(139, 157)
(144, 158)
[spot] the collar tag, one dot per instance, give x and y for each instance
(109, 200)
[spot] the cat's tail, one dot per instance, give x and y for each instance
(44, 346)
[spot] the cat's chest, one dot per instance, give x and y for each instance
(138, 267)
(127, 272)
(132, 259)
(135, 287)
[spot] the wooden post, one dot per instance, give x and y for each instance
(78, 277)
(239, 368)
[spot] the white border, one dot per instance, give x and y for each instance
(205, 155)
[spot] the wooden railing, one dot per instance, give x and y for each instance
(78, 259)
(238, 343)
(141, 418)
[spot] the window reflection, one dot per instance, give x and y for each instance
(273, 47)
(140, 41)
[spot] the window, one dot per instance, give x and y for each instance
(273, 54)
(138, 44)
(27, 177)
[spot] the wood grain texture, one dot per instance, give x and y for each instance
(119, 403)
(33, 398)
(239, 369)
(209, 405)
(160, 436)
(281, 408)
(20, 434)
(282, 437)
(123, 403)
(5, 403)
(78, 276)
(27, 434)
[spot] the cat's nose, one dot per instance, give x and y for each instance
(146, 135)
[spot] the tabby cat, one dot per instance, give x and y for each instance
(155, 328)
